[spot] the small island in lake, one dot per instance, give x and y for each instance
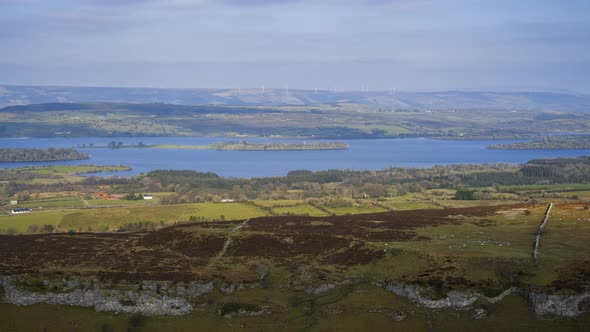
(13, 155)
(247, 146)
(231, 146)
(548, 143)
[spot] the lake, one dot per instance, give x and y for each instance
(370, 154)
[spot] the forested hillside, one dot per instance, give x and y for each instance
(341, 120)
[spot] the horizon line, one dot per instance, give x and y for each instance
(265, 88)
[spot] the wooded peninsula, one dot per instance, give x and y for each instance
(548, 143)
(50, 154)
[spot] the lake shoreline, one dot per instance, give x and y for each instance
(368, 154)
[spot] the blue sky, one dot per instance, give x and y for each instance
(326, 44)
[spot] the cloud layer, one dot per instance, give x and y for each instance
(407, 44)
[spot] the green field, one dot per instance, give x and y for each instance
(111, 218)
(278, 202)
(55, 202)
(567, 232)
(118, 202)
(74, 213)
(109, 215)
(358, 209)
(304, 209)
(582, 194)
(20, 223)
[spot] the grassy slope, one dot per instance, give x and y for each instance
(469, 248)
(20, 223)
(478, 248)
(54, 202)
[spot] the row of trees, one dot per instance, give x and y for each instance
(192, 186)
(133, 197)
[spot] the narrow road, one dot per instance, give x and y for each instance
(539, 232)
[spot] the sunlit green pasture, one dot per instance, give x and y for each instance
(118, 202)
(356, 209)
(304, 209)
(112, 218)
(54, 202)
(278, 202)
(21, 222)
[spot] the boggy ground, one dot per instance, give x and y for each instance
(464, 247)
(174, 252)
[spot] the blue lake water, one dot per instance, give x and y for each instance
(362, 154)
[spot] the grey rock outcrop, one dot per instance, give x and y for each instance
(230, 288)
(565, 306)
(192, 289)
(146, 297)
(542, 304)
(397, 316)
(501, 296)
(479, 313)
(454, 299)
(167, 298)
(248, 313)
(147, 302)
(321, 289)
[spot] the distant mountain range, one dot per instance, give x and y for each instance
(24, 95)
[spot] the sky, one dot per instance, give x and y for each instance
(409, 45)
